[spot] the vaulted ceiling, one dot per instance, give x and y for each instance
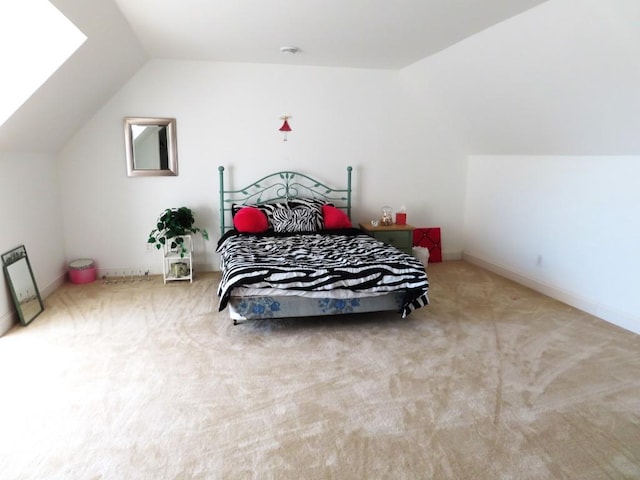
(124, 34)
(355, 33)
(108, 58)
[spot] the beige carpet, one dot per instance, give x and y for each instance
(147, 381)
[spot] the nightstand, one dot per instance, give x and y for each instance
(400, 236)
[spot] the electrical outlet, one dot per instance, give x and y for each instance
(539, 260)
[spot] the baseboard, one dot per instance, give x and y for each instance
(611, 315)
(152, 269)
(604, 312)
(52, 286)
(449, 255)
(205, 267)
(7, 321)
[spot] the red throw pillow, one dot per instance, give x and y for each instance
(335, 218)
(250, 220)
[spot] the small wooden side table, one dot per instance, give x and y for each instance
(400, 236)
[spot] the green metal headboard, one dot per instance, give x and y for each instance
(281, 186)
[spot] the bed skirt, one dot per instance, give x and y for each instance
(256, 307)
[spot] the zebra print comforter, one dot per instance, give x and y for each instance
(320, 261)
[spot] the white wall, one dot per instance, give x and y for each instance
(551, 97)
(31, 216)
(566, 226)
(229, 114)
(559, 79)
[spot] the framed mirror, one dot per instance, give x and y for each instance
(150, 146)
(17, 270)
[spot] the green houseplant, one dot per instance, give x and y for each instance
(171, 225)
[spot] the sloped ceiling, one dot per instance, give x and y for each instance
(124, 34)
(109, 57)
(356, 33)
(563, 79)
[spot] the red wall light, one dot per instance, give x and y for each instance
(285, 126)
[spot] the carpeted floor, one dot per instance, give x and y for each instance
(147, 381)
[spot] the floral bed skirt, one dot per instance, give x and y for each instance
(254, 307)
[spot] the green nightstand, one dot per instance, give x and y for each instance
(400, 236)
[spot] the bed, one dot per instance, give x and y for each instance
(288, 249)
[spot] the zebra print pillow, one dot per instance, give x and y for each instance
(294, 220)
(312, 204)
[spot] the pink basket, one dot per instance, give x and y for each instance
(82, 271)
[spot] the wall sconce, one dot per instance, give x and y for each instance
(285, 126)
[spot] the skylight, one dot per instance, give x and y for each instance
(35, 39)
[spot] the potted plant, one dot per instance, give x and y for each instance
(171, 225)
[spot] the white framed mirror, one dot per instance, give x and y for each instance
(150, 146)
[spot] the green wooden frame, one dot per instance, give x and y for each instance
(22, 283)
(280, 186)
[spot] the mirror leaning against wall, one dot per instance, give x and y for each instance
(17, 270)
(150, 146)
